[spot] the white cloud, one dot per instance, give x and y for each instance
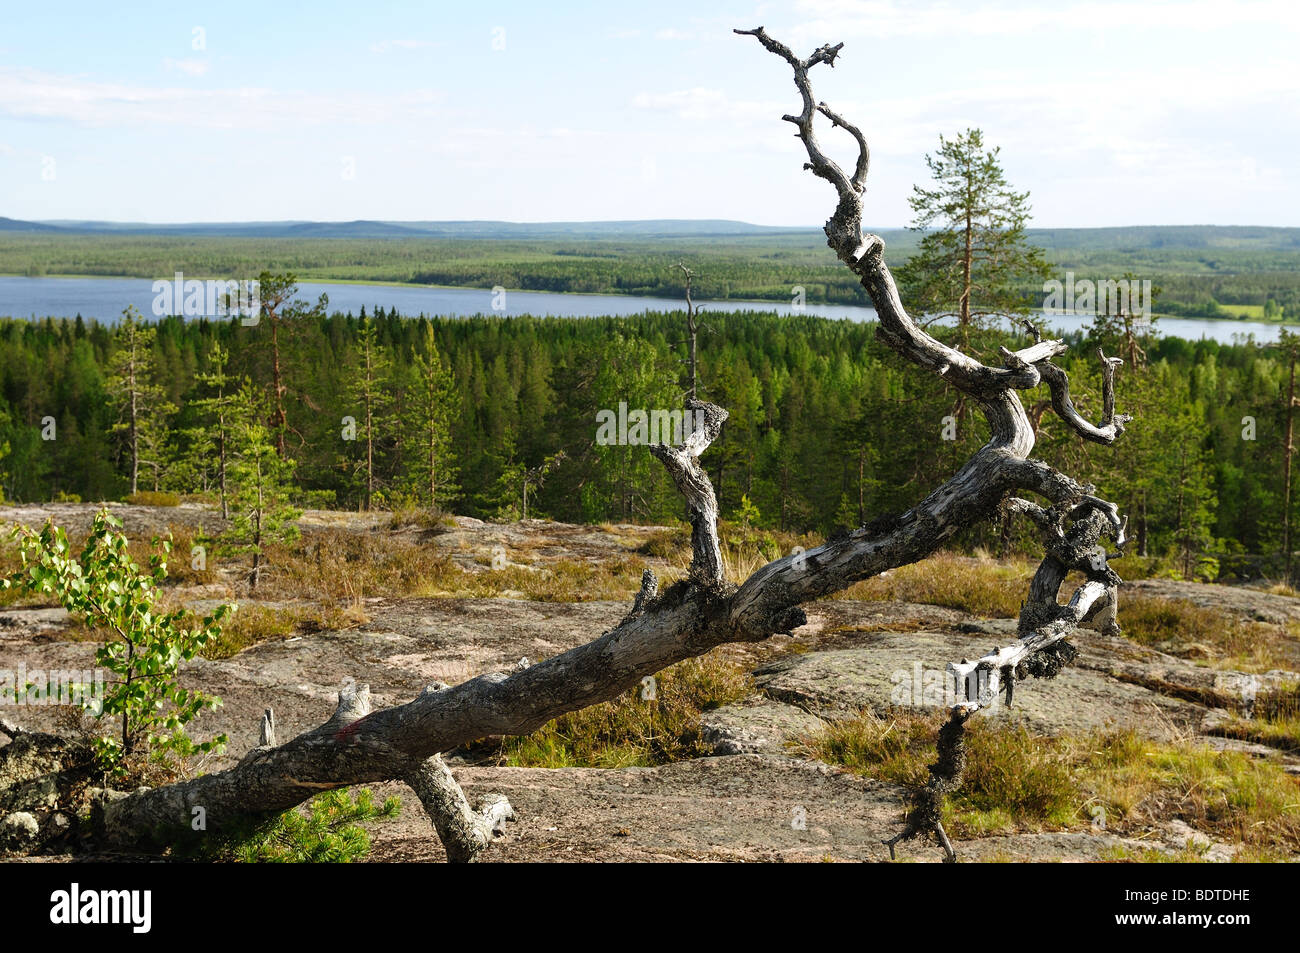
(704, 104)
(191, 66)
(1133, 134)
(880, 19)
(26, 93)
(383, 46)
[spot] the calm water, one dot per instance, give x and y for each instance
(104, 299)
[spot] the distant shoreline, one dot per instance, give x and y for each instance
(616, 294)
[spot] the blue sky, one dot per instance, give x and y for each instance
(1108, 113)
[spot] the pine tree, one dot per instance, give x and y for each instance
(6, 421)
(1126, 333)
(371, 393)
(1193, 495)
(628, 372)
(1289, 343)
(214, 434)
(280, 311)
(692, 333)
(142, 411)
(500, 498)
(534, 478)
(433, 404)
(260, 481)
(974, 262)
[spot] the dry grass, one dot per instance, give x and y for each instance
(1127, 855)
(180, 563)
(981, 587)
(670, 545)
(985, 587)
(1274, 721)
(636, 730)
(180, 569)
(1017, 782)
(10, 564)
(1231, 796)
(1216, 638)
(424, 517)
(744, 550)
(154, 498)
(1013, 781)
(335, 565)
(252, 624)
(339, 566)
(1282, 589)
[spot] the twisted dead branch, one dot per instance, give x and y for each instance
(1001, 466)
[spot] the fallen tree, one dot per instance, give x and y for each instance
(705, 609)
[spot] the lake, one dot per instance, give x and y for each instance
(104, 299)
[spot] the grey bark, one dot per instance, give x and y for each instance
(692, 332)
(266, 738)
(464, 833)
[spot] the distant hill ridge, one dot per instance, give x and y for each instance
(1239, 237)
(650, 228)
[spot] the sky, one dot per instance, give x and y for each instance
(1125, 113)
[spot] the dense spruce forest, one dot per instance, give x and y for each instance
(827, 428)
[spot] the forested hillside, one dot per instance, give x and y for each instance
(499, 397)
(1202, 271)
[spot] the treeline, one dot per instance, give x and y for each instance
(1271, 296)
(738, 268)
(1202, 280)
(828, 428)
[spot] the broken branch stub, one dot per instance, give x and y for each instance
(464, 832)
(683, 465)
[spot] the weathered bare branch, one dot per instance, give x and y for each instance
(683, 464)
(819, 163)
(357, 746)
(979, 681)
(926, 814)
(1111, 424)
(353, 706)
(1043, 622)
(1014, 505)
(863, 252)
(859, 180)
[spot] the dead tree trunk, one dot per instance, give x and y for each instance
(692, 333)
(1289, 450)
(705, 609)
